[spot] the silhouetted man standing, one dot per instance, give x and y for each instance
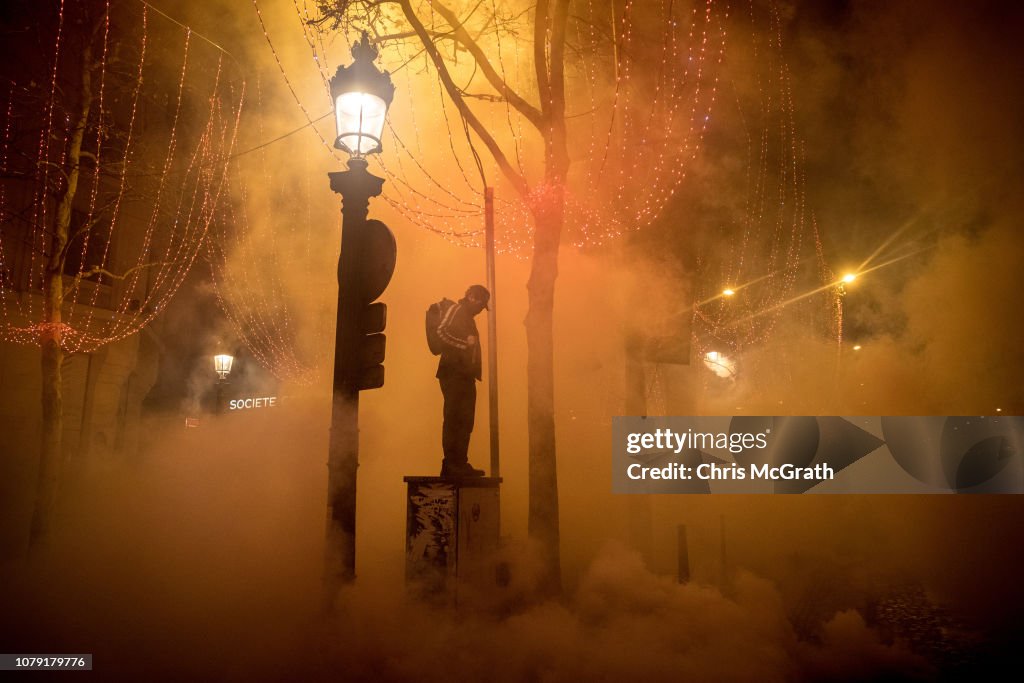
(459, 371)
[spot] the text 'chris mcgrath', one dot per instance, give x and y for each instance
(712, 471)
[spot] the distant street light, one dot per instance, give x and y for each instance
(720, 364)
(727, 292)
(362, 94)
(222, 364)
(849, 277)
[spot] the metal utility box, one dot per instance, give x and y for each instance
(451, 537)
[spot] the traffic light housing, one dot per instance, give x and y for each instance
(369, 366)
(368, 254)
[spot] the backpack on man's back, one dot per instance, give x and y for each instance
(435, 314)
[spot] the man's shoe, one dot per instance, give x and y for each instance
(460, 470)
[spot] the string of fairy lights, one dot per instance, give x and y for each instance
(247, 257)
(678, 108)
(639, 127)
(640, 107)
(616, 128)
(149, 225)
(778, 249)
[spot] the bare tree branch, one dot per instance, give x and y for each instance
(540, 57)
(532, 114)
(436, 35)
(557, 152)
(517, 180)
(557, 66)
(486, 97)
(99, 270)
(56, 167)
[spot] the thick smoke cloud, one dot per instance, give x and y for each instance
(202, 556)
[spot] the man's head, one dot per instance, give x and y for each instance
(477, 296)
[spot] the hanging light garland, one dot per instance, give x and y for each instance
(647, 104)
(778, 234)
(180, 198)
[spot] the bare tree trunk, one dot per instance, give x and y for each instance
(549, 217)
(540, 388)
(51, 457)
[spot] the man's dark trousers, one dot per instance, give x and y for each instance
(459, 412)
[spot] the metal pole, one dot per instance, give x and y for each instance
(725, 566)
(640, 508)
(492, 330)
(356, 186)
(682, 555)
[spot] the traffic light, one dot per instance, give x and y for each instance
(368, 370)
(368, 254)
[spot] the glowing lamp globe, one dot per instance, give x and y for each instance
(362, 95)
(720, 364)
(222, 364)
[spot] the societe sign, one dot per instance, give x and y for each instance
(252, 402)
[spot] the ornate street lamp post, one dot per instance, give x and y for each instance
(362, 95)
